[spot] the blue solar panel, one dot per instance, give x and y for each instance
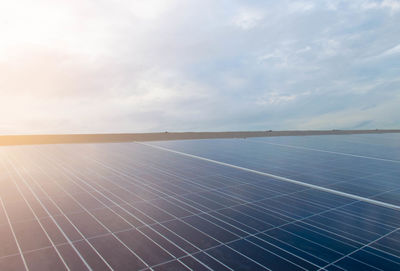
(287, 203)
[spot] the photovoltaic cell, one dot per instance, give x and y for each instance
(134, 206)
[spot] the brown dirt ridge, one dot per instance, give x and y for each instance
(129, 137)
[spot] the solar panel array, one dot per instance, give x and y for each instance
(288, 203)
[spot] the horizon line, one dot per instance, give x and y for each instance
(37, 139)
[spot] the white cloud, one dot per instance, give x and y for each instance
(276, 98)
(247, 18)
(393, 5)
(301, 6)
(392, 51)
(303, 50)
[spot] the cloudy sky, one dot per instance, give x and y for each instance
(79, 66)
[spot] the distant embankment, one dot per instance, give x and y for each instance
(101, 138)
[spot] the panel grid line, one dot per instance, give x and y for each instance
(54, 221)
(206, 234)
(379, 203)
(202, 204)
(38, 220)
(73, 225)
(14, 236)
(133, 227)
(243, 230)
(186, 224)
(326, 151)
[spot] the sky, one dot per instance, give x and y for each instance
(97, 66)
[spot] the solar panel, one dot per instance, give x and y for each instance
(287, 203)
